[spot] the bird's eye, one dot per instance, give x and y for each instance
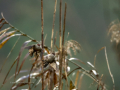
(38, 44)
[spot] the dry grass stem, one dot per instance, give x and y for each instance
(96, 54)
(53, 25)
(9, 54)
(80, 81)
(42, 42)
(50, 66)
(109, 69)
(114, 31)
(76, 80)
(60, 46)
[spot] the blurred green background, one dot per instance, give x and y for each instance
(87, 22)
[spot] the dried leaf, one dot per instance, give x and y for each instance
(46, 80)
(71, 85)
(72, 44)
(5, 30)
(80, 81)
(22, 71)
(3, 42)
(94, 72)
(18, 85)
(109, 69)
(22, 79)
(1, 20)
(38, 80)
(7, 34)
(76, 80)
(2, 35)
(6, 39)
(2, 24)
(47, 50)
(55, 79)
(9, 54)
(77, 60)
(8, 73)
(51, 80)
(56, 88)
(23, 62)
(100, 50)
(53, 65)
(96, 54)
(90, 64)
(114, 31)
(68, 69)
(21, 50)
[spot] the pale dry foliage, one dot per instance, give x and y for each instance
(49, 67)
(74, 45)
(114, 31)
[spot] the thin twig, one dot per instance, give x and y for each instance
(80, 81)
(42, 42)
(60, 49)
(60, 45)
(63, 55)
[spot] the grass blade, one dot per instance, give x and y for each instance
(7, 34)
(8, 73)
(109, 69)
(23, 62)
(96, 54)
(5, 30)
(21, 50)
(9, 54)
(80, 81)
(6, 39)
(76, 80)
